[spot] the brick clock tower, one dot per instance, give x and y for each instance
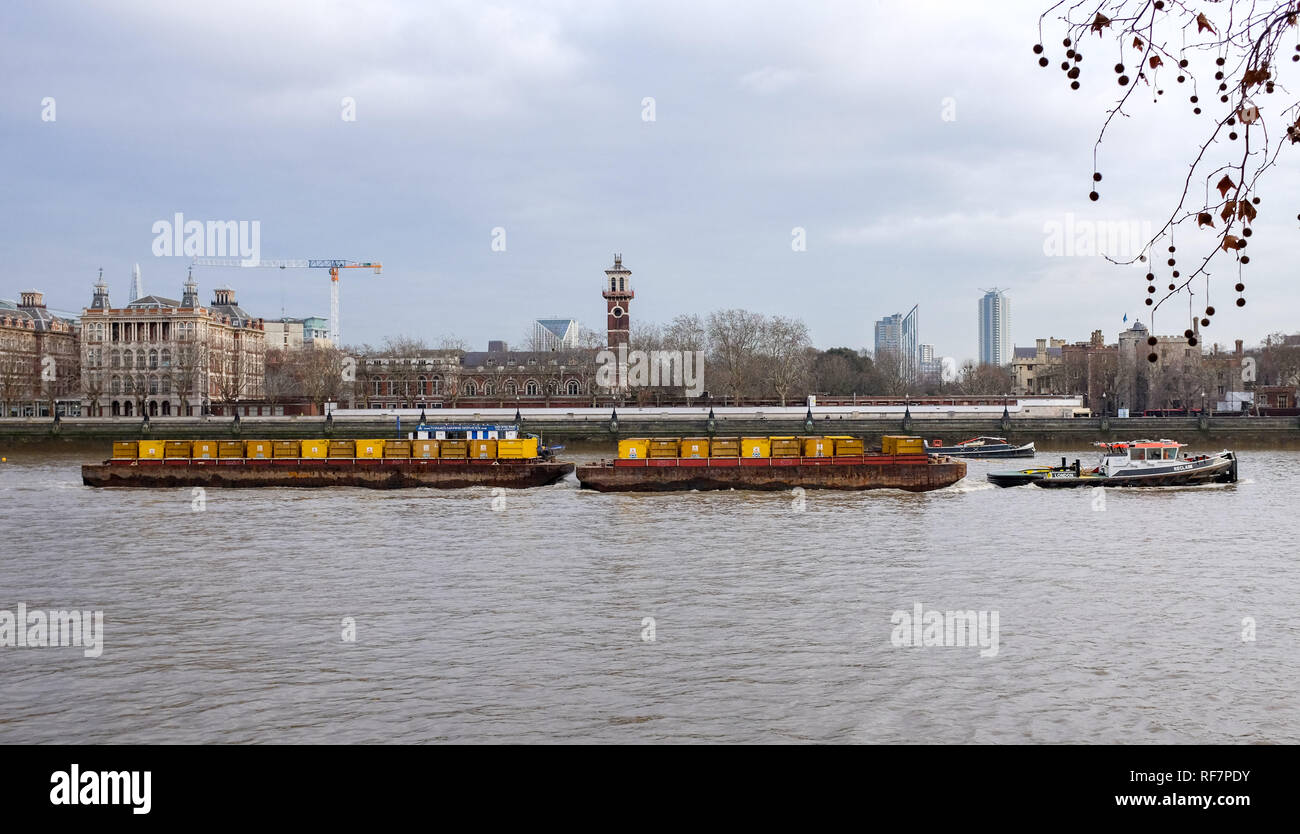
(618, 299)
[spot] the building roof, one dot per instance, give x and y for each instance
(1031, 352)
(558, 327)
(154, 301)
(515, 358)
(40, 317)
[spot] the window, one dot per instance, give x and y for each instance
(1170, 454)
(437, 385)
(471, 390)
(116, 387)
(166, 358)
(488, 389)
(574, 388)
(531, 389)
(153, 360)
(510, 388)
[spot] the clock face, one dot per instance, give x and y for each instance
(617, 312)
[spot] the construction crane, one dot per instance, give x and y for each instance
(312, 263)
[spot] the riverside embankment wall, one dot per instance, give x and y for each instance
(1048, 433)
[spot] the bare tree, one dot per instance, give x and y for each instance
(1242, 45)
(735, 340)
(785, 347)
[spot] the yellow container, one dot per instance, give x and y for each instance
(284, 448)
(848, 446)
(634, 448)
(902, 445)
(257, 448)
(424, 449)
(343, 449)
(370, 449)
(177, 449)
(523, 448)
(315, 449)
(126, 449)
(204, 450)
(230, 448)
(483, 449)
(818, 447)
(452, 448)
(664, 447)
(152, 449)
(397, 448)
(724, 447)
(695, 447)
(786, 447)
(755, 447)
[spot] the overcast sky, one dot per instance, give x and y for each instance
(528, 116)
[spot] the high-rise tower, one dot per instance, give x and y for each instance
(995, 328)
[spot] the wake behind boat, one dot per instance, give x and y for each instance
(1130, 464)
(981, 447)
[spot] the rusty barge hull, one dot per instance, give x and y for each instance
(914, 474)
(323, 473)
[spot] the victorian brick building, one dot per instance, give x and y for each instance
(503, 378)
(160, 356)
(39, 358)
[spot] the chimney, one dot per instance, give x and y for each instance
(224, 295)
(1098, 340)
(1239, 347)
(32, 298)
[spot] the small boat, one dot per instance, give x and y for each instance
(981, 447)
(1133, 463)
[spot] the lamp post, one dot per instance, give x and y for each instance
(613, 421)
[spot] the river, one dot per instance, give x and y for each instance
(556, 614)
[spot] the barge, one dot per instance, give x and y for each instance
(443, 462)
(770, 463)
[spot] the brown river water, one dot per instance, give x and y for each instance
(526, 615)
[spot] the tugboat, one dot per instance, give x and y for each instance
(981, 447)
(1133, 463)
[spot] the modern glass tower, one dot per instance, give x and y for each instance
(898, 336)
(995, 328)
